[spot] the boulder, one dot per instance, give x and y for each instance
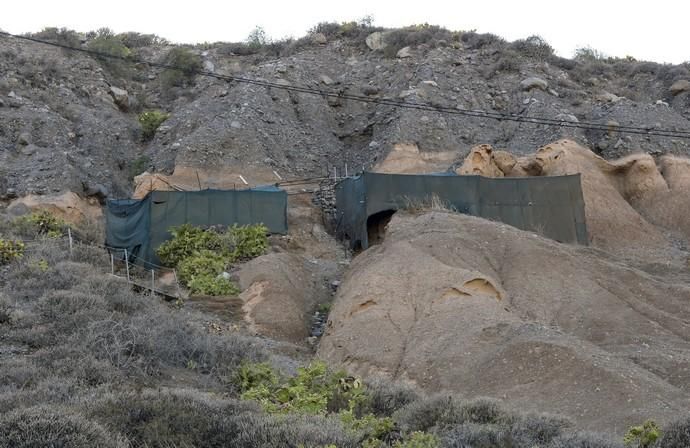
(209, 66)
(481, 161)
(325, 79)
(680, 86)
(120, 97)
(405, 52)
(376, 41)
(534, 83)
(319, 39)
(607, 97)
(24, 138)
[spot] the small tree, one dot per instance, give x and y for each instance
(257, 38)
(187, 64)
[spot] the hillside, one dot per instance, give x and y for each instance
(451, 331)
(63, 127)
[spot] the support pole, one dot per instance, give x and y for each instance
(345, 169)
(71, 243)
(112, 263)
(127, 265)
(153, 281)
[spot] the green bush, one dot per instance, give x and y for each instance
(642, 436)
(186, 241)
(150, 121)
(204, 263)
(62, 36)
(39, 223)
(10, 250)
(533, 47)
(249, 241)
(138, 166)
(187, 64)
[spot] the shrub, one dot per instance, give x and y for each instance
(137, 40)
(62, 36)
(583, 440)
(534, 47)
(676, 434)
(204, 263)
(187, 64)
(476, 40)
(642, 436)
(186, 241)
(150, 121)
(442, 410)
(257, 38)
(213, 285)
(10, 250)
(39, 223)
(589, 54)
(46, 426)
(385, 397)
(249, 241)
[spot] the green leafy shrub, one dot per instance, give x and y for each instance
(187, 64)
(150, 121)
(39, 223)
(642, 436)
(137, 40)
(10, 250)
(204, 263)
(62, 36)
(249, 241)
(186, 241)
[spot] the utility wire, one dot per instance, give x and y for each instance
(585, 125)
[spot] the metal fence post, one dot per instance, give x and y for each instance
(127, 265)
(112, 263)
(153, 281)
(71, 243)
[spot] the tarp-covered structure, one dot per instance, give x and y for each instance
(141, 225)
(552, 206)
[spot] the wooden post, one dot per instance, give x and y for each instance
(127, 265)
(112, 263)
(177, 284)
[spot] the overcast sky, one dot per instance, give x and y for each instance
(648, 30)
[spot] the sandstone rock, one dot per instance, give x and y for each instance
(278, 294)
(534, 83)
(376, 41)
(448, 295)
(325, 79)
(319, 39)
(120, 97)
(680, 86)
(606, 97)
(505, 161)
(480, 161)
(405, 52)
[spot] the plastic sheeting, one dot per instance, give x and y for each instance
(140, 226)
(552, 206)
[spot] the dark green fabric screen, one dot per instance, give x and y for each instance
(140, 226)
(552, 206)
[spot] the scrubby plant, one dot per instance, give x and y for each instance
(137, 40)
(186, 241)
(10, 250)
(257, 38)
(46, 426)
(676, 434)
(150, 121)
(39, 223)
(138, 166)
(62, 36)
(187, 64)
(642, 436)
(533, 47)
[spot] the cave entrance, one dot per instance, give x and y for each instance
(376, 226)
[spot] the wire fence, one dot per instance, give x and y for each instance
(123, 264)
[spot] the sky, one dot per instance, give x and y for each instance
(647, 30)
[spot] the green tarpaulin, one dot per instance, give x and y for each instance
(552, 206)
(140, 226)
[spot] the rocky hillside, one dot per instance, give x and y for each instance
(69, 121)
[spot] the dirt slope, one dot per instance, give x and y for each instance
(453, 302)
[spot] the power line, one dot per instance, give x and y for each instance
(585, 125)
